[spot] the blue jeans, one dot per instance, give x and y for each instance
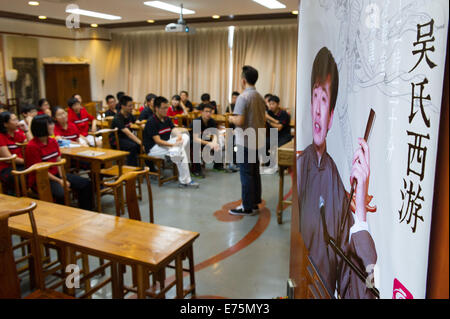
(250, 181)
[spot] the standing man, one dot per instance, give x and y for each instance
(249, 116)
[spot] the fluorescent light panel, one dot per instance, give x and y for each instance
(168, 7)
(271, 4)
(93, 14)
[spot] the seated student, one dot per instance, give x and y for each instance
(43, 148)
(212, 142)
(230, 108)
(127, 140)
(44, 107)
(78, 97)
(184, 95)
(65, 129)
(147, 110)
(111, 106)
(9, 136)
(176, 108)
(280, 120)
(206, 99)
(119, 96)
(28, 111)
(161, 139)
(81, 118)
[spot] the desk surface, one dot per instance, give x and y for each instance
(107, 156)
(126, 240)
(50, 217)
(121, 238)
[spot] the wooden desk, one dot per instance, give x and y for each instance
(96, 163)
(285, 161)
(146, 246)
(149, 247)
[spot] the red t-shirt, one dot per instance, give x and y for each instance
(81, 121)
(173, 112)
(10, 142)
(71, 133)
(37, 152)
(40, 112)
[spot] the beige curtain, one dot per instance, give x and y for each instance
(272, 50)
(166, 63)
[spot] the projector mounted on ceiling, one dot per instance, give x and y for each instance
(180, 26)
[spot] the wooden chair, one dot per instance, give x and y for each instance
(42, 181)
(129, 179)
(9, 279)
(160, 166)
(112, 171)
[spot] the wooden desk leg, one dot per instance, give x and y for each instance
(179, 276)
(140, 281)
(70, 258)
(95, 168)
(280, 195)
(192, 269)
(116, 282)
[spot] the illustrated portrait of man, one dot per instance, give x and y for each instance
(318, 177)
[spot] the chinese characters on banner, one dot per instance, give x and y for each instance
(412, 199)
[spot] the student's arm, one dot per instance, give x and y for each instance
(131, 136)
(237, 120)
(179, 130)
(4, 152)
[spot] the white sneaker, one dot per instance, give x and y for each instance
(241, 207)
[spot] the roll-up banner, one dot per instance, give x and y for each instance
(369, 90)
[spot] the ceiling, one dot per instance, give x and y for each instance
(135, 10)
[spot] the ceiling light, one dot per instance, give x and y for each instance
(33, 3)
(295, 12)
(151, 21)
(94, 25)
(42, 17)
(216, 16)
(93, 14)
(271, 4)
(167, 7)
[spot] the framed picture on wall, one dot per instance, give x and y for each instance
(27, 84)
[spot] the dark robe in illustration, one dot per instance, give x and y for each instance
(322, 179)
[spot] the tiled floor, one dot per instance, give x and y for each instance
(257, 270)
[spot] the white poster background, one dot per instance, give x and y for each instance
(372, 43)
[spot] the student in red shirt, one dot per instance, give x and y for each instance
(43, 148)
(44, 107)
(80, 117)
(64, 129)
(9, 136)
(176, 108)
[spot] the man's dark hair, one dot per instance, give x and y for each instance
(250, 74)
(268, 95)
(41, 102)
(185, 92)
(119, 95)
(207, 106)
(109, 97)
(274, 98)
(176, 97)
(150, 97)
(4, 118)
(159, 101)
(205, 97)
(71, 102)
(27, 108)
(325, 67)
(235, 93)
(124, 100)
(39, 125)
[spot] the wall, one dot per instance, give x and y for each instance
(56, 41)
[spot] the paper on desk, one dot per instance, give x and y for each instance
(90, 153)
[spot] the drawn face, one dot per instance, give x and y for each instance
(320, 112)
